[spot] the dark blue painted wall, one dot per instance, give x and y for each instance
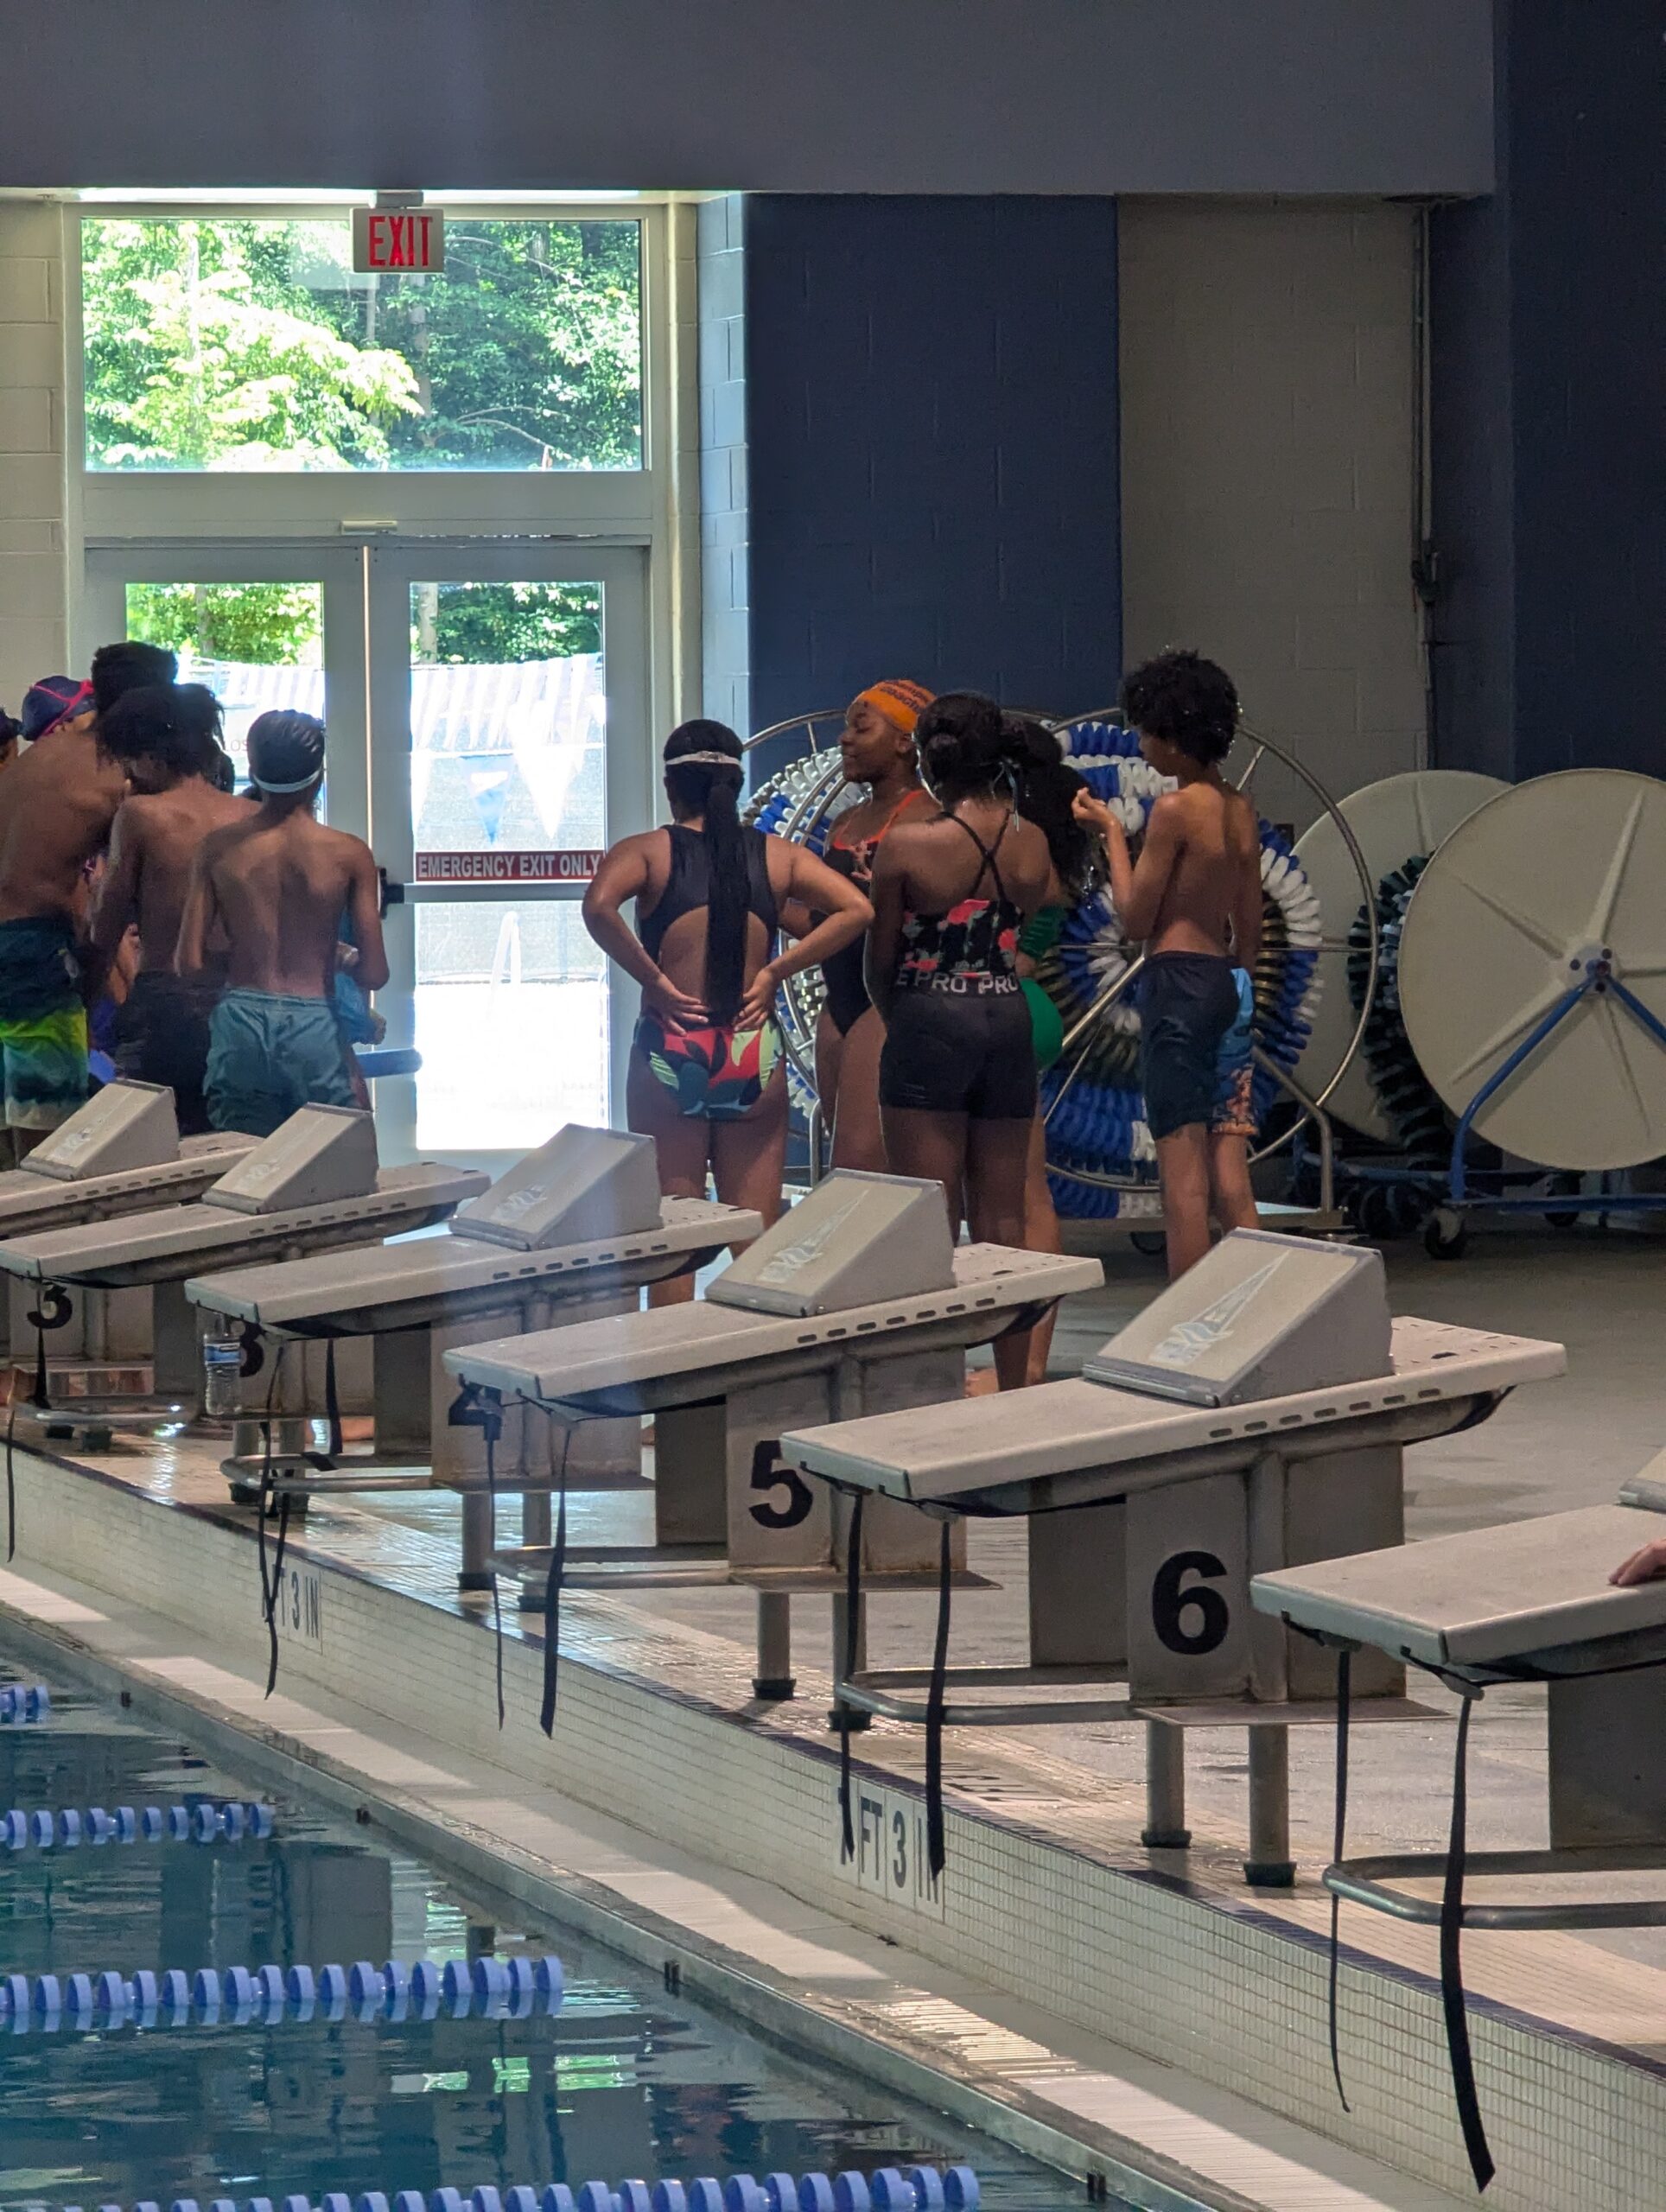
(1549, 317)
(931, 434)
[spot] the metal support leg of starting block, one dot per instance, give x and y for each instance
(479, 1541)
(774, 1680)
(1165, 1769)
(1269, 1866)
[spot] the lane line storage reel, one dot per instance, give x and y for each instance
(801, 800)
(1381, 1093)
(1532, 978)
(1099, 1145)
(1398, 823)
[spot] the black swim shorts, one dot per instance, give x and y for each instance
(1195, 1010)
(948, 1053)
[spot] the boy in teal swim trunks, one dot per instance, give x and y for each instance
(273, 890)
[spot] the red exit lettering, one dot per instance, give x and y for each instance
(386, 240)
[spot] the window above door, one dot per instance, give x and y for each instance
(248, 345)
(237, 377)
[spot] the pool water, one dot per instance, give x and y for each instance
(626, 2080)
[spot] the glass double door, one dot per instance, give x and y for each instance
(486, 708)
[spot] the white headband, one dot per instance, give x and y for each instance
(284, 790)
(704, 761)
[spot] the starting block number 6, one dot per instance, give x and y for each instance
(1188, 1587)
(1191, 1619)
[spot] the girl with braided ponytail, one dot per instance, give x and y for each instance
(708, 1080)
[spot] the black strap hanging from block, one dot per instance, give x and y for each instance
(552, 1583)
(270, 1572)
(1340, 1841)
(852, 1615)
(282, 1545)
(54, 1310)
(1452, 1973)
(934, 1846)
(11, 1479)
(497, 1588)
(332, 1399)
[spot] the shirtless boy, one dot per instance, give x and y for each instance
(1193, 897)
(167, 737)
(61, 799)
(274, 888)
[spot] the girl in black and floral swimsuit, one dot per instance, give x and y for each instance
(950, 892)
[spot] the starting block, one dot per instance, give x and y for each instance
(120, 1154)
(313, 1185)
(855, 1303)
(573, 1232)
(1254, 1415)
(1527, 1602)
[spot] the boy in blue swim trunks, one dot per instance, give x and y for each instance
(273, 891)
(1193, 897)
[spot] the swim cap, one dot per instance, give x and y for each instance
(286, 751)
(55, 699)
(900, 701)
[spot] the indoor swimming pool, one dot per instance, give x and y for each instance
(625, 2079)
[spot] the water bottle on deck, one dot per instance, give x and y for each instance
(222, 1367)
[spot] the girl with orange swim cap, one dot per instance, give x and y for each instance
(878, 749)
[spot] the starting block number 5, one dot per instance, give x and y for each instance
(769, 1476)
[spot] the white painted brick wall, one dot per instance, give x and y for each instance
(726, 635)
(34, 585)
(1267, 390)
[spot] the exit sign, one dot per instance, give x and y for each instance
(409, 240)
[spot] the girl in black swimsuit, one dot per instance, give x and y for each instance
(706, 1079)
(958, 1084)
(877, 747)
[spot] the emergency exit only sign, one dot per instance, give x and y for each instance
(407, 240)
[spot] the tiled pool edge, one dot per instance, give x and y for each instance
(1234, 1997)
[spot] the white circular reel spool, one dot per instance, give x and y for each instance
(1393, 821)
(1544, 881)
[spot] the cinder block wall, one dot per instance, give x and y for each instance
(1267, 395)
(931, 431)
(34, 581)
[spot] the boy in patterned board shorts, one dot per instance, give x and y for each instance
(1193, 897)
(60, 797)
